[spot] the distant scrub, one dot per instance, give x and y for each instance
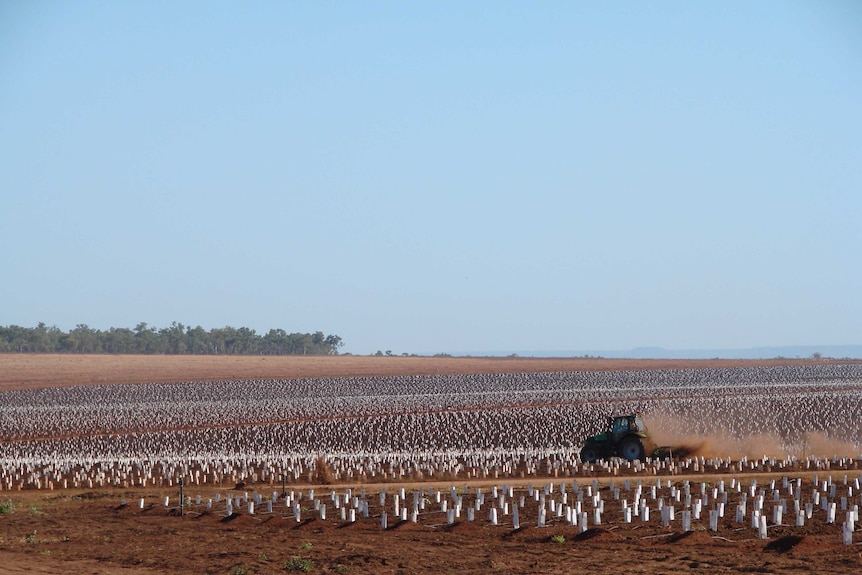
(176, 339)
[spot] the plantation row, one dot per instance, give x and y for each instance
(453, 465)
(789, 419)
(418, 427)
(506, 443)
(107, 409)
(728, 506)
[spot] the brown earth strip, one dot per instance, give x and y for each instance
(23, 371)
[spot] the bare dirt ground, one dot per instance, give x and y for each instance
(20, 371)
(90, 532)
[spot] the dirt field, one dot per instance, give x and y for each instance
(91, 532)
(19, 371)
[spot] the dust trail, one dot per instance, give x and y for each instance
(820, 444)
(669, 432)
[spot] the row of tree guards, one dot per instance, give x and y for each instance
(727, 506)
(65, 473)
(801, 410)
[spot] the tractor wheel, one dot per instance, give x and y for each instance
(632, 449)
(589, 454)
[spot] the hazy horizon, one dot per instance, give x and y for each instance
(645, 352)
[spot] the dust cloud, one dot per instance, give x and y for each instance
(667, 432)
(816, 443)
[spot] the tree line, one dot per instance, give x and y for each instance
(176, 339)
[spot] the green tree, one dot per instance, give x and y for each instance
(146, 339)
(333, 342)
(118, 340)
(173, 338)
(197, 340)
(276, 342)
(86, 340)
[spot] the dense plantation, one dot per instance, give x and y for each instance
(413, 426)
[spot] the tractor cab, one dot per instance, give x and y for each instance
(623, 424)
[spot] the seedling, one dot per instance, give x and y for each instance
(300, 564)
(7, 507)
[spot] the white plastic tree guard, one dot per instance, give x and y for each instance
(761, 528)
(582, 522)
(713, 520)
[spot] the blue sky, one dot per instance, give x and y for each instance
(437, 177)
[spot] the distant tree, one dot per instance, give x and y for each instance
(118, 340)
(333, 342)
(17, 339)
(197, 340)
(174, 339)
(147, 339)
(43, 338)
(247, 341)
(86, 340)
(217, 341)
(275, 342)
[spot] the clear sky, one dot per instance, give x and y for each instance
(437, 176)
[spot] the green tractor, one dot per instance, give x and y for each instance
(626, 437)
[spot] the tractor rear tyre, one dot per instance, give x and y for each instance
(632, 449)
(589, 454)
